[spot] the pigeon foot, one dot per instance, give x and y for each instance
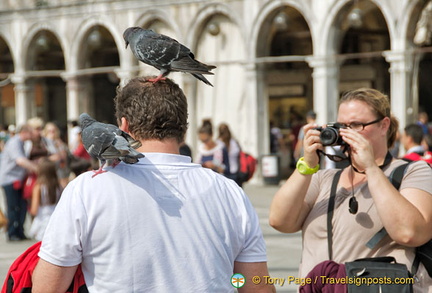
(154, 80)
(99, 171)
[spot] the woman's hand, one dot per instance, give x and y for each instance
(362, 154)
(311, 144)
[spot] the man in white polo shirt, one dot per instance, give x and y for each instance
(160, 225)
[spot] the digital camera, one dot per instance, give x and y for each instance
(330, 135)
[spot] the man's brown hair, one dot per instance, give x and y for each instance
(153, 110)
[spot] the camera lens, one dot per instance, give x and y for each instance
(329, 136)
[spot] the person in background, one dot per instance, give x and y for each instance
(185, 150)
(13, 169)
(74, 132)
(423, 121)
(427, 142)
(276, 138)
(36, 149)
(366, 201)
(160, 225)
(52, 132)
(11, 130)
(39, 146)
(3, 138)
(233, 149)
(46, 194)
(211, 154)
(80, 151)
(298, 151)
(412, 139)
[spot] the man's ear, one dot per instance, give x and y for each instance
(124, 125)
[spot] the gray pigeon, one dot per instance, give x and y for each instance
(107, 143)
(164, 53)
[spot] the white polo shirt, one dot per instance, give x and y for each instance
(161, 225)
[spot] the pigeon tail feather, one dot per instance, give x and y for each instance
(202, 78)
(191, 66)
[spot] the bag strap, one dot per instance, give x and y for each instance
(387, 259)
(395, 179)
(330, 210)
(397, 174)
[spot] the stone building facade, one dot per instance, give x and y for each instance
(276, 59)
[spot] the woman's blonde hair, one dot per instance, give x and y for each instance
(380, 106)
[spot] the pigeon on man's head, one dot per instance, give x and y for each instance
(164, 53)
(108, 143)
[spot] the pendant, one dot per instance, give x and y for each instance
(353, 205)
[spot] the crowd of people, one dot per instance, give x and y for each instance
(136, 226)
(35, 165)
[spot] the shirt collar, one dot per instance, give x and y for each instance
(416, 149)
(164, 158)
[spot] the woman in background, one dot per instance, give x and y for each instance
(233, 149)
(52, 132)
(211, 154)
(46, 194)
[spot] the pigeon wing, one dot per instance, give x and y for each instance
(117, 131)
(119, 147)
(96, 140)
(157, 50)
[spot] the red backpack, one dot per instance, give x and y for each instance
(19, 276)
(247, 166)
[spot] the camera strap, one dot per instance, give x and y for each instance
(336, 158)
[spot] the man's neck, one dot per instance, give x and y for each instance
(415, 149)
(169, 146)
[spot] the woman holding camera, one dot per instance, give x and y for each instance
(365, 200)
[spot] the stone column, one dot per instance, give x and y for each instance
(25, 106)
(402, 105)
(76, 98)
(325, 87)
(257, 139)
(72, 96)
(256, 130)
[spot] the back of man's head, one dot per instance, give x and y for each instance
(154, 111)
(415, 132)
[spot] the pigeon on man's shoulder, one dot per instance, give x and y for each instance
(108, 143)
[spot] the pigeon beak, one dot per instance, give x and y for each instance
(127, 43)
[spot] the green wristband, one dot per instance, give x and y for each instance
(304, 168)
